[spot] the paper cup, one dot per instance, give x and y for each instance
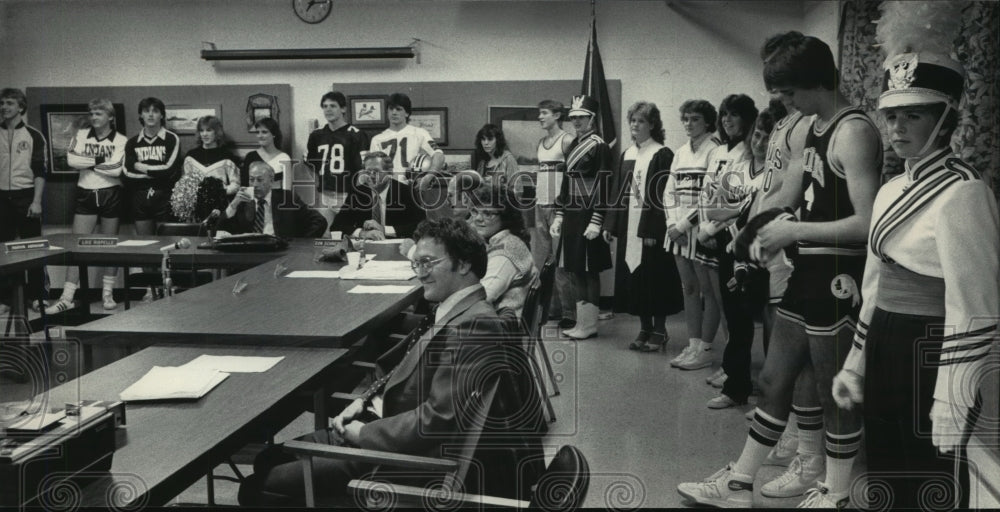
(353, 258)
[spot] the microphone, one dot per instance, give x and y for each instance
(212, 217)
(183, 243)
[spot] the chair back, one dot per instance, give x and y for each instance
(531, 311)
(565, 482)
(547, 281)
(179, 229)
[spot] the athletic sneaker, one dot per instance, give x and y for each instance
(722, 402)
(699, 358)
(719, 381)
(821, 497)
(802, 474)
(148, 297)
(724, 489)
(682, 356)
(60, 306)
(718, 373)
(783, 452)
(109, 301)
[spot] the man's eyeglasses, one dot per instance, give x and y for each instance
(424, 266)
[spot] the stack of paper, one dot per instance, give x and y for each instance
(173, 383)
(233, 364)
(380, 270)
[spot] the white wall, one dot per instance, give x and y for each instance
(821, 18)
(665, 52)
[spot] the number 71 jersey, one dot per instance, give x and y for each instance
(335, 155)
(404, 146)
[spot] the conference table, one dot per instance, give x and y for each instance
(166, 446)
(13, 265)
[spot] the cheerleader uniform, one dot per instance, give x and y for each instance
(683, 191)
(928, 319)
(583, 201)
(217, 162)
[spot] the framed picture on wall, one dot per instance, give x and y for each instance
(368, 111)
(183, 119)
(458, 159)
(259, 106)
(521, 129)
(61, 122)
(434, 120)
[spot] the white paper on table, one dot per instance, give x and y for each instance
(233, 364)
(382, 288)
(136, 243)
(389, 270)
(314, 274)
(387, 241)
(38, 421)
(55, 248)
(169, 382)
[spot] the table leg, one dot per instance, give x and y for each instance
(85, 288)
(320, 419)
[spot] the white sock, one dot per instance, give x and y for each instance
(705, 346)
(838, 468)
(810, 430)
(109, 285)
(69, 290)
(694, 342)
(764, 427)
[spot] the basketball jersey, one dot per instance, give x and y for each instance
(335, 155)
(86, 147)
(831, 199)
(159, 153)
(404, 147)
(551, 167)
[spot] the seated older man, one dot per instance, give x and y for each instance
(380, 200)
(413, 407)
(270, 211)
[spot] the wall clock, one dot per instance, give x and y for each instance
(312, 11)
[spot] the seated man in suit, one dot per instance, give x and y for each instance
(380, 200)
(415, 405)
(270, 211)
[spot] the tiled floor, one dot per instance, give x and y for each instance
(642, 425)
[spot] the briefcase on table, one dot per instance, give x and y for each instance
(249, 242)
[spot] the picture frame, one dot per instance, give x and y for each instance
(183, 119)
(61, 122)
(458, 159)
(369, 111)
(259, 106)
(434, 120)
(522, 131)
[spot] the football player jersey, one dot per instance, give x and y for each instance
(404, 147)
(336, 155)
(99, 160)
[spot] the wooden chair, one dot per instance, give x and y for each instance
(530, 325)
(563, 486)
(453, 470)
(546, 281)
(183, 280)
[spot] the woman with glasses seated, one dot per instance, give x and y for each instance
(510, 269)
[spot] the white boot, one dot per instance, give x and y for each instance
(586, 321)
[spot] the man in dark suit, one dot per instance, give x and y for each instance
(272, 211)
(415, 406)
(380, 200)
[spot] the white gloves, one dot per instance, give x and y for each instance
(848, 389)
(948, 425)
(556, 228)
(593, 231)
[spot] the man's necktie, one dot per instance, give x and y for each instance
(414, 337)
(258, 220)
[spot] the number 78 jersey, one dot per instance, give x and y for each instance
(335, 155)
(404, 146)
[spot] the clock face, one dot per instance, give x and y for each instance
(312, 11)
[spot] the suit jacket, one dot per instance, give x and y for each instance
(291, 217)
(652, 222)
(423, 397)
(402, 211)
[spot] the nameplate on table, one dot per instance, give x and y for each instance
(97, 241)
(326, 242)
(29, 245)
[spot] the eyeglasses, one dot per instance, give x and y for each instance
(424, 266)
(485, 214)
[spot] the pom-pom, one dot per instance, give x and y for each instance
(185, 195)
(211, 196)
(927, 26)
